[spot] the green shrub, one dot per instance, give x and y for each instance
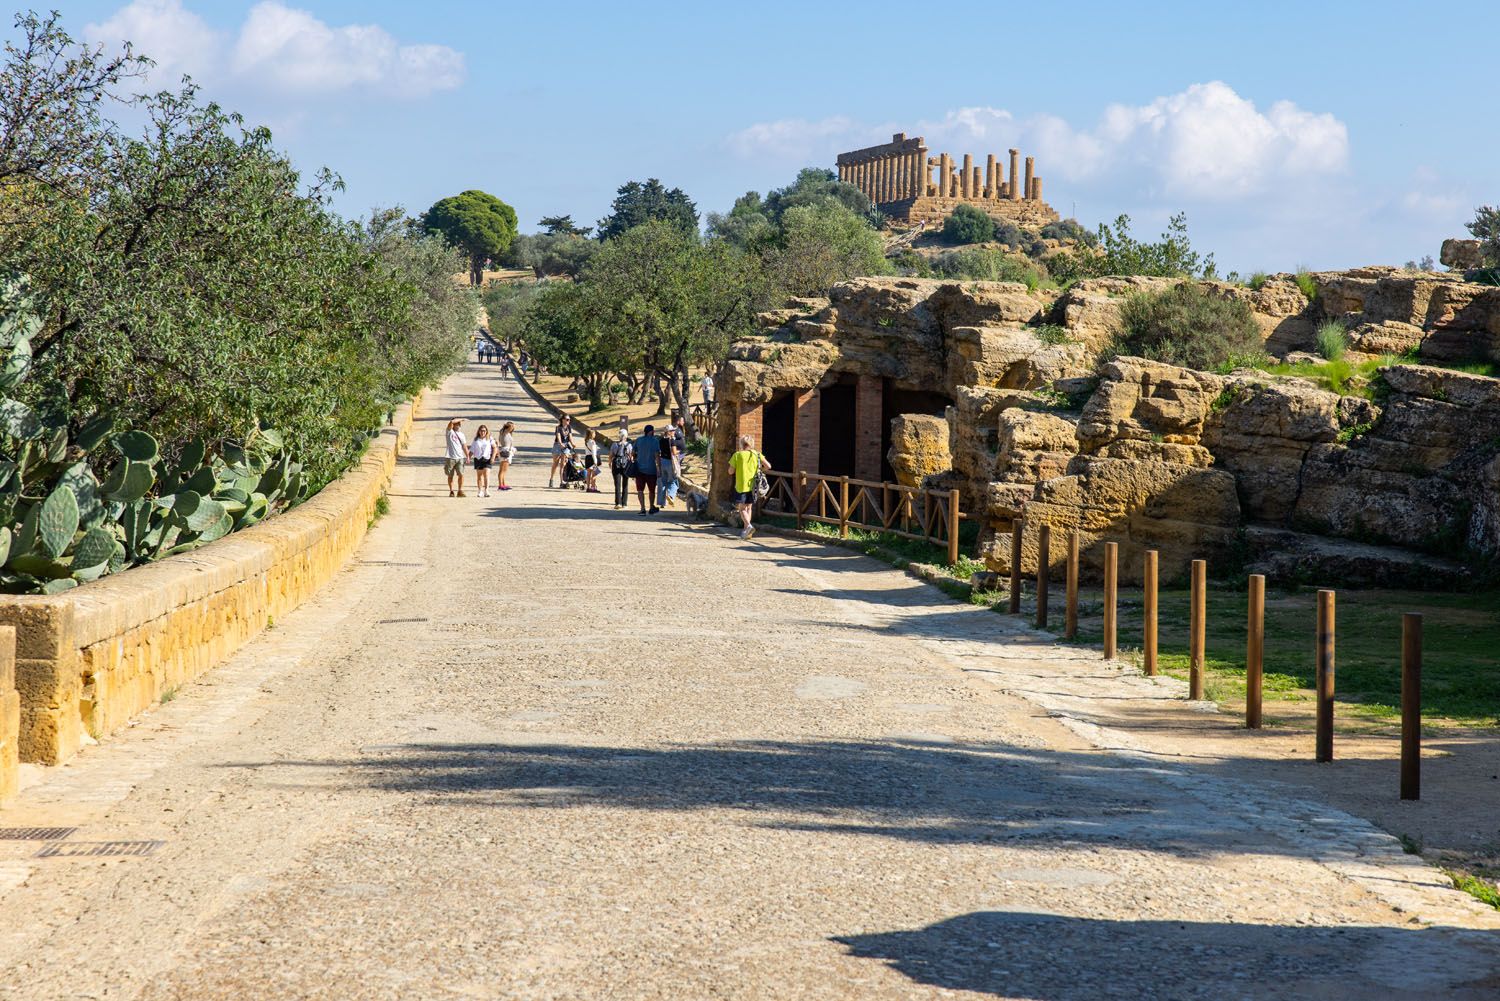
(1068, 229)
(1009, 234)
(1333, 340)
(1189, 325)
(987, 265)
(911, 262)
(1486, 229)
(1306, 284)
(1257, 280)
(1052, 333)
(968, 224)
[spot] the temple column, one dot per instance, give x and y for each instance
(875, 181)
(945, 174)
(1036, 189)
(968, 170)
(1030, 174)
(991, 190)
(974, 183)
(864, 177)
(885, 179)
(1015, 175)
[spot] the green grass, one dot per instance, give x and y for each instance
(896, 549)
(1333, 340)
(1305, 282)
(1341, 375)
(1257, 280)
(1461, 655)
(1481, 890)
(169, 694)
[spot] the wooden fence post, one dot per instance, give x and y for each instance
(801, 496)
(843, 507)
(1197, 628)
(1111, 589)
(1325, 639)
(1255, 645)
(953, 527)
(1070, 616)
(1043, 572)
(1411, 706)
(1015, 567)
(1148, 585)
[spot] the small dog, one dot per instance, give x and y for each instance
(696, 504)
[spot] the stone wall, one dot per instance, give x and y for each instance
(10, 717)
(91, 658)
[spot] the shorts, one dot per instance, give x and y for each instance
(481, 464)
(556, 450)
(645, 481)
(589, 462)
(452, 466)
(748, 497)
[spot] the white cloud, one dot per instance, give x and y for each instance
(1206, 142)
(282, 49)
(178, 40)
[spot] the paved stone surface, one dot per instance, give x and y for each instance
(533, 748)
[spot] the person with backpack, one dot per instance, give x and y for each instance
(746, 465)
(647, 452)
(506, 453)
(621, 462)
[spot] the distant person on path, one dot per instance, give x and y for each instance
(666, 469)
(482, 448)
(746, 465)
(455, 456)
(507, 453)
(708, 392)
(621, 464)
(647, 451)
(562, 442)
(591, 462)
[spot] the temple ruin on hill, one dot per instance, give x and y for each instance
(897, 177)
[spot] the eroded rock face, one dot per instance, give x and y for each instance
(919, 448)
(1461, 254)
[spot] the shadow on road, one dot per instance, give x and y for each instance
(1051, 957)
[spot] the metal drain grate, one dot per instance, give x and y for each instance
(392, 622)
(36, 833)
(98, 849)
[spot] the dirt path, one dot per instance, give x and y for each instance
(533, 748)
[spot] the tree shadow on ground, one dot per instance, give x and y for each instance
(910, 788)
(1050, 957)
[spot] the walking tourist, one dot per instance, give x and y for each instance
(708, 392)
(482, 448)
(621, 462)
(647, 451)
(591, 462)
(506, 452)
(562, 441)
(455, 456)
(747, 465)
(669, 468)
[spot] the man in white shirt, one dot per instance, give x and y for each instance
(708, 391)
(456, 455)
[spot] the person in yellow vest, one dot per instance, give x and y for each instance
(747, 464)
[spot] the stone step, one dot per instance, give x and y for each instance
(1294, 557)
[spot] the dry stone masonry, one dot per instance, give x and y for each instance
(898, 177)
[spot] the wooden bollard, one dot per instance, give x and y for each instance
(1411, 706)
(1070, 616)
(952, 527)
(1255, 646)
(1111, 589)
(1148, 611)
(843, 507)
(1043, 572)
(1325, 640)
(1015, 567)
(1197, 628)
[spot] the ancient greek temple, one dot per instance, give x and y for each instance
(898, 177)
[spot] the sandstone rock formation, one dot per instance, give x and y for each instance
(919, 448)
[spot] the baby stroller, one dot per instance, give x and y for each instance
(572, 470)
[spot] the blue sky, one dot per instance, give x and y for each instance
(1327, 135)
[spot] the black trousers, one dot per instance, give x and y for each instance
(622, 484)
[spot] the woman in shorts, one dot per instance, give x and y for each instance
(482, 448)
(506, 453)
(562, 441)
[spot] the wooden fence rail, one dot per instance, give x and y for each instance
(910, 512)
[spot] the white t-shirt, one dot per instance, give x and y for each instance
(456, 445)
(482, 447)
(507, 445)
(708, 388)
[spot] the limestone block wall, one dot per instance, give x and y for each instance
(10, 715)
(91, 658)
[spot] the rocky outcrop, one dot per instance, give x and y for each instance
(919, 448)
(1461, 255)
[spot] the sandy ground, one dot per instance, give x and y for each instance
(530, 747)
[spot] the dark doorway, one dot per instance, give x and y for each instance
(895, 401)
(778, 430)
(836, 428)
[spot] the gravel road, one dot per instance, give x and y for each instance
(530, 747)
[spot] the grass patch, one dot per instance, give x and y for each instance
(1305, 283)
(1481, 890)
(896, 550)
(1333, 340)
(170, 694)
(1341, 375)
(1461, 654)
(1053, 333)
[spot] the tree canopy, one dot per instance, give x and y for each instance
(478, 223)
(636, 204)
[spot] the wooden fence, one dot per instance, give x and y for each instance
(910, 512)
